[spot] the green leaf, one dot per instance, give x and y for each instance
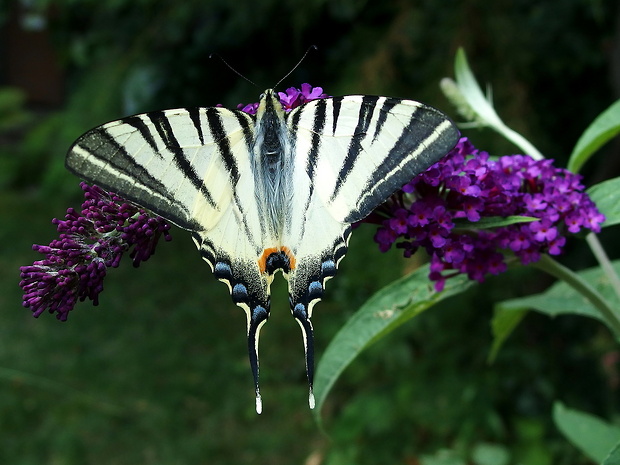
(591, 435)
(603, 128)
(386, 310)
(559, 299)
(606, 196)
(489, 222)
(502, 326)
(614, 456)
(471, 94)
(490, 454)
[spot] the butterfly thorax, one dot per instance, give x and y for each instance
(271, 160)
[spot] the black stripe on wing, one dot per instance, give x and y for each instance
(387, 106)
(336, 106)
(364, 118)
(427, 131)
(220, 137)
(101, 146)
(194, 115)
(119, 165)
(164, 129)
(317, 130)
(140, 125)
(425, 137)
(318, 126)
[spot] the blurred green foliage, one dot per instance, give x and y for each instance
(157, 374)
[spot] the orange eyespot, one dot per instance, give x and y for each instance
(284, 260)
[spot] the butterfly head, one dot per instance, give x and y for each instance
(269, 103)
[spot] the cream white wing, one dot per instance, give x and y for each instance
(182, 164)
(193, 168)
(358, 150)
(351, 154)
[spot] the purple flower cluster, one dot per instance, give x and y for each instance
(292, 98)
(90, 242)
(442, 211)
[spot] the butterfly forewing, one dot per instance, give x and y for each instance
(176, 163)
(368, 148)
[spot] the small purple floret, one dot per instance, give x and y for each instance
(90, 242)
(291, 98)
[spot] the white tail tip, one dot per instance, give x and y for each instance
(311, 399)
(259, 404)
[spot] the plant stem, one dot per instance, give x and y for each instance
(554, 268)
(520, 141)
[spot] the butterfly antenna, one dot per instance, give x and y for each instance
(215, 55)
(312, 47)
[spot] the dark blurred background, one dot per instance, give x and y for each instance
(158, 372)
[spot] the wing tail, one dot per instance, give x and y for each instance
(302, 317)
(256, 303)
(306, 289)
(249, 289)
(256, 319)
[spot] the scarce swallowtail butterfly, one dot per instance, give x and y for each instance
(269, 192)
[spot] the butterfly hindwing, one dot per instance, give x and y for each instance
(351, 154)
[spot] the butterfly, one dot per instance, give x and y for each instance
(269, 192)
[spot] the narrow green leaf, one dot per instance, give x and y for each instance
(614, 456)
(559, 299)
(387, 309)
(482, 106)
(471, 91)
(606, 196)
(602, 129)
(489, 222)
(591, 435)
